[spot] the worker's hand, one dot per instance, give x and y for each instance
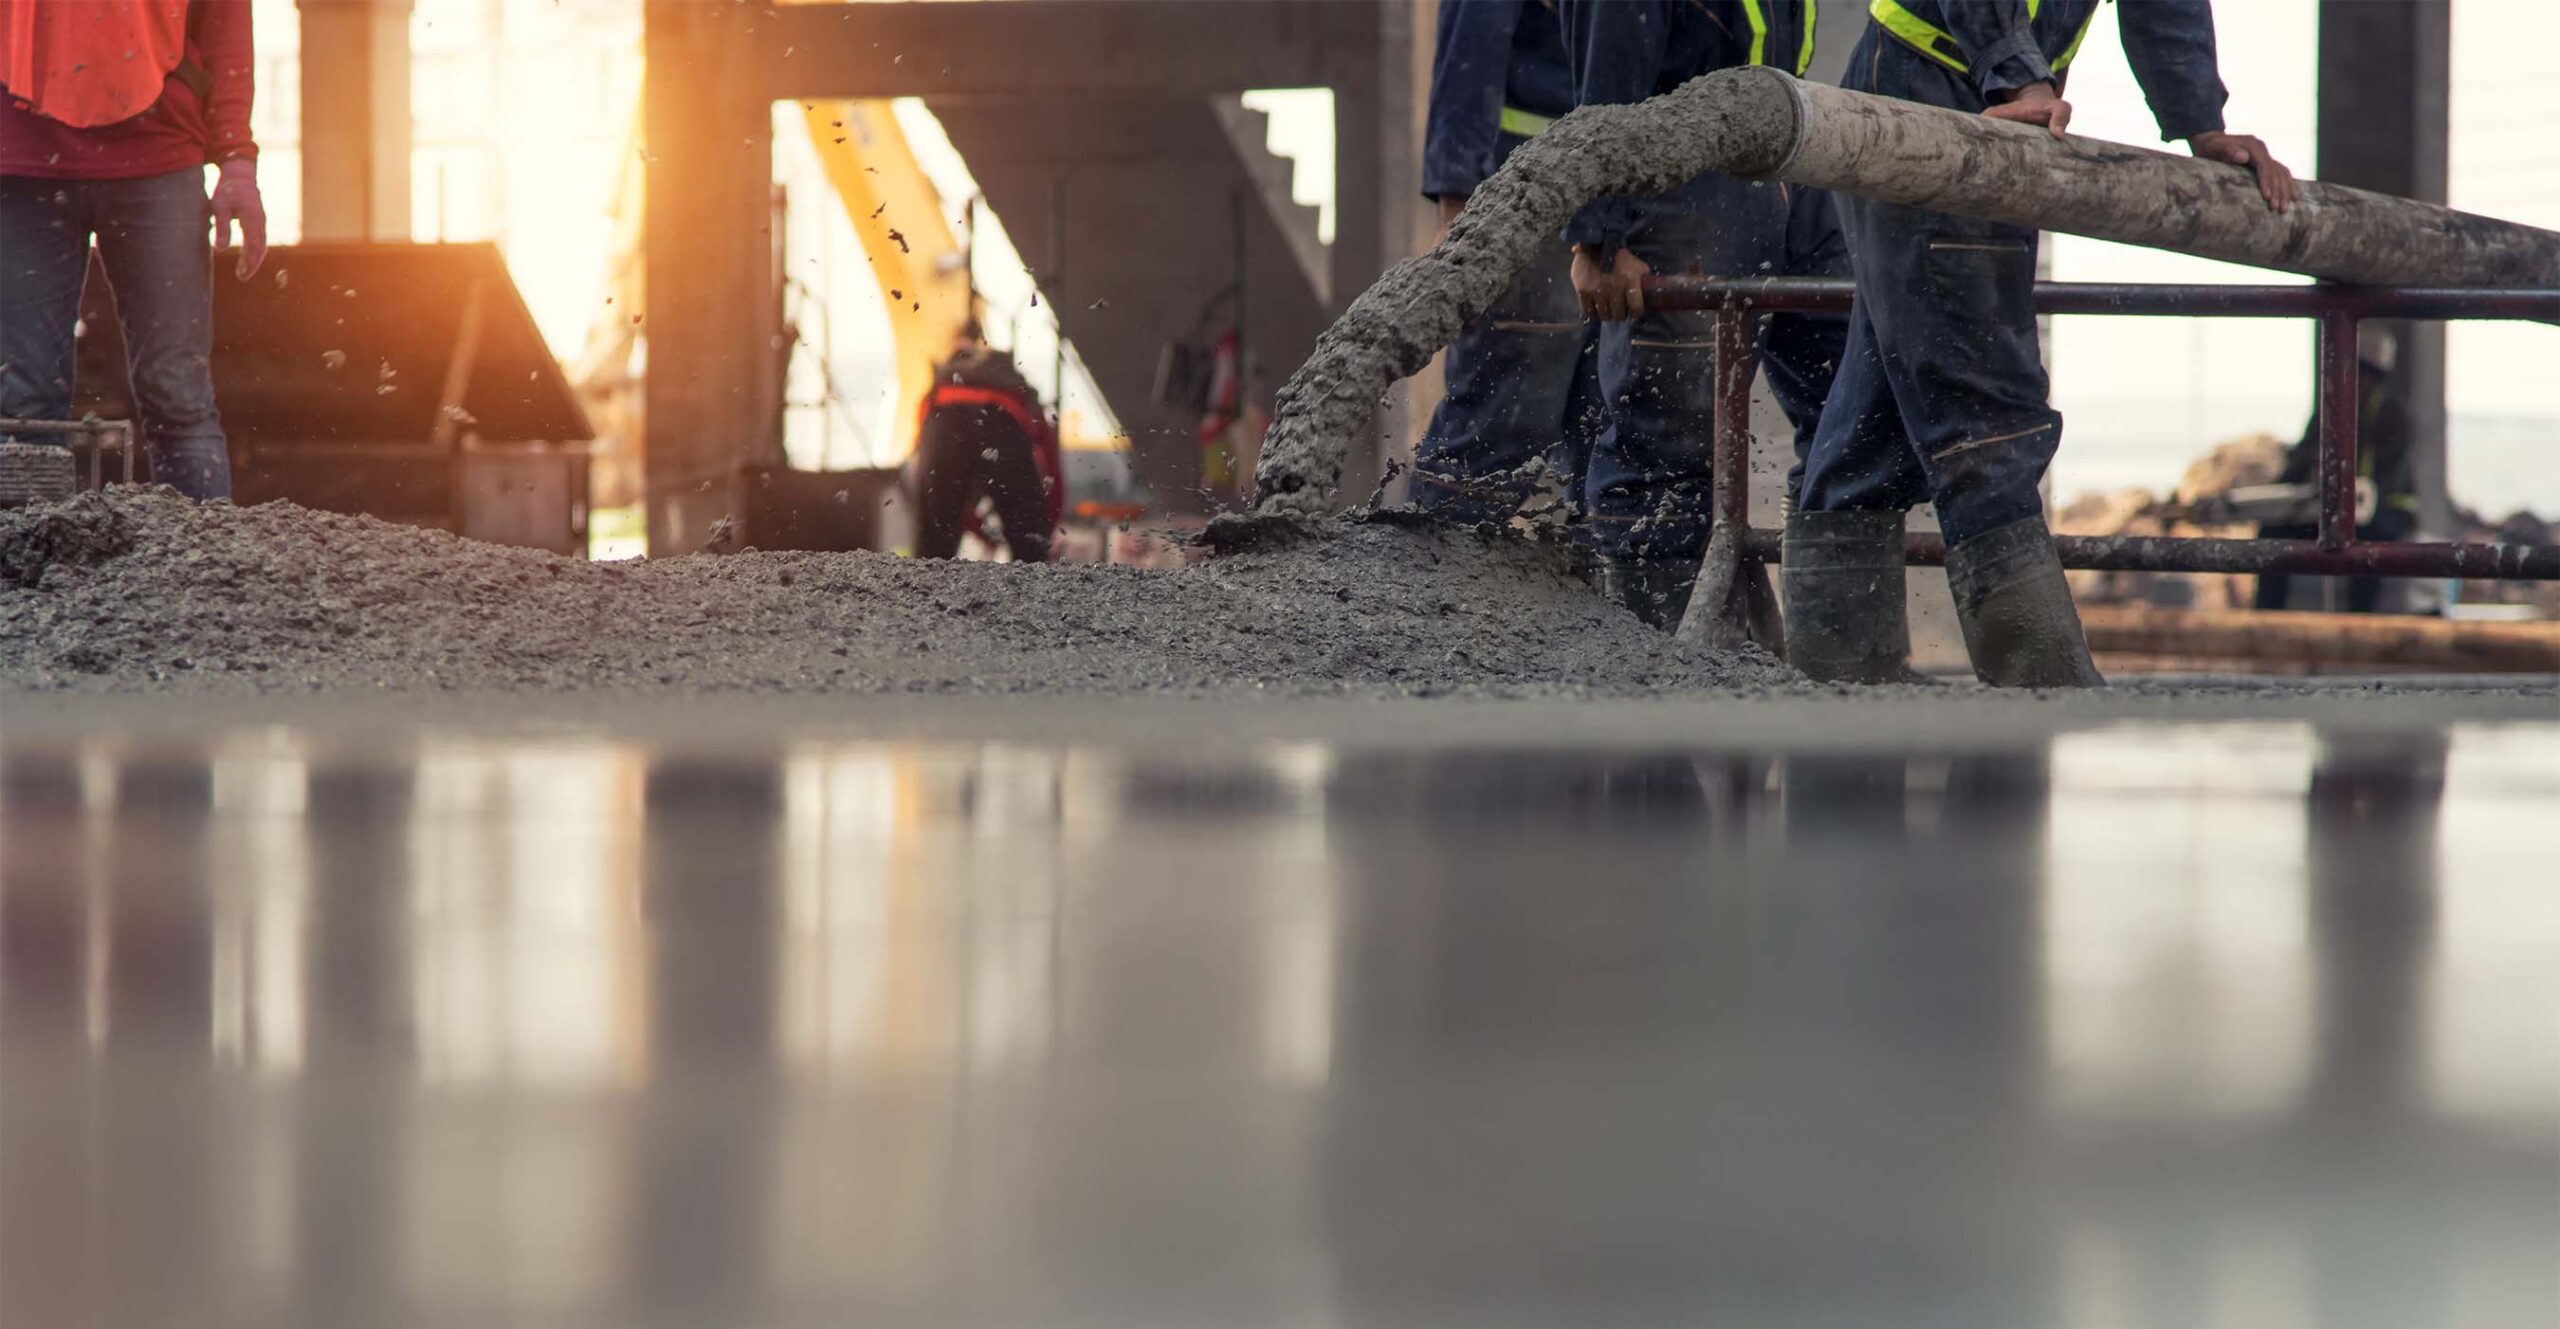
(2035, 104)
(1612, 293)
(2274, 180)
(236, 202)
(1450, 206)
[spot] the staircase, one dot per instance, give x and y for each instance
(1274, 178)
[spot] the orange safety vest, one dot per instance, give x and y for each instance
(86, 63)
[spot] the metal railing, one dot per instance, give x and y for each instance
(97, 437)
(2338, 310)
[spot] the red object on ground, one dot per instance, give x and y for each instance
(83, 101)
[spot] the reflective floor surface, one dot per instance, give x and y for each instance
(2240, 1025)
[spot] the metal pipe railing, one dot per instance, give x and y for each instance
(2339, 310)
(102, 437)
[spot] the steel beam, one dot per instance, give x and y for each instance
(1015, 48)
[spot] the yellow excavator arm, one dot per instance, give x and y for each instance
(920, 265)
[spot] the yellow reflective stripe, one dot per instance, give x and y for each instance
(2074, 48)
(1525, 124)
(1759, 20)
(1936, 43)
(1919, 34)
(1804, 57)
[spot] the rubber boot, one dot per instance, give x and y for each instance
(36, 473)
(1846, 620)
(1653, 589)
(2015, 607)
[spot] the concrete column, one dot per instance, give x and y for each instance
(355, 119)
(712, 386)
(1424, 390)
(2385, 76)
(1377, 172)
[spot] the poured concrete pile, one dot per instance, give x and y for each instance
(141, 590)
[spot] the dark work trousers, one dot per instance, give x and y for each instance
(1943, 396)
(1651, 483)
(966, 452)
(153, 236)
(1520, 382)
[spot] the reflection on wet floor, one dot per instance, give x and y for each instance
(2236, 1026)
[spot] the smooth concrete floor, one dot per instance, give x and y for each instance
(2134, 1024)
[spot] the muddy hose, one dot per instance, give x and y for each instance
(1764, 125)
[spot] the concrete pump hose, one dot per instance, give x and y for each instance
(1762, 124)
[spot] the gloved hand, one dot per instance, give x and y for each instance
(236, 202)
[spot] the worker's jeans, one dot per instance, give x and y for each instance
(1521, 382)
(152, 234)
(964, 452)
(1651, 489)
(1943, 395)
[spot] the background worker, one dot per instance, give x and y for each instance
(1943, 395)
(113, 109)
(1520, 380)
(984, 435)
(1649, 488)
(2385, 434)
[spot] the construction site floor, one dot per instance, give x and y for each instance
(2196, 1006)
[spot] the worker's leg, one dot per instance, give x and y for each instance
(44, 258)
(942, 484)
(1509, 398)
(1800, 354)
(1949, 303)
(1843, 565)
(1012, 479)
(2364, 594)
(1955, 321)
(1650, 489)
(154, 239)
(2275, 591)
(1958, 335)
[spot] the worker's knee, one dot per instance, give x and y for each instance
(174, 392)
(1985, 481)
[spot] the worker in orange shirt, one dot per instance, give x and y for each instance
(110, 111)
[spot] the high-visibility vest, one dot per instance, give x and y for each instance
(1936, 43)
(1530, 124)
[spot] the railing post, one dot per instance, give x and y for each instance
(1734, 366)
(2341, 393)
(1717, 615)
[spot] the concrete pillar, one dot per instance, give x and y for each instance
(1379, 213)
(712, 389)
(355, 119)
(1424, 390)
(2385, 76)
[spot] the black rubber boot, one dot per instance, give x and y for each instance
(1653, 589)
(1846, 621)
(36, 473)
(2015, 606)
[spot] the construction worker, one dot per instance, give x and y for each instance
(1520, 378)
(2385, 458)
(984, 434)
(1943, 395)
(1649, 488)
(112, 110)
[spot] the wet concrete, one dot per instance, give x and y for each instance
(1976, 1022)
(139, 592)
